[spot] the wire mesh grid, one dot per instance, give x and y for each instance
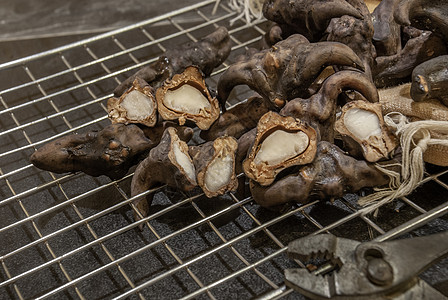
(73, 236)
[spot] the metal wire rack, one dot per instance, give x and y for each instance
(73, 236)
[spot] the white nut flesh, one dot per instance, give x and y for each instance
(362, 123)
(186, 99)
(281, 146)
(219, 172)
(138, 106)
(184, 161)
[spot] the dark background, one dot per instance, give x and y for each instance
(28, 27)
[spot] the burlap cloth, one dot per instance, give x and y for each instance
(398, 99)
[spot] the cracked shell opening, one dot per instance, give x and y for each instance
(362, 123)
(280, 146)
(137, 105)
(219, 173)
(186, 99)
(184, 161)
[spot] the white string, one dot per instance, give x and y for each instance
(415, 137)
(248, 9)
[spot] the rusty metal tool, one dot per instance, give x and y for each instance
(369, 270)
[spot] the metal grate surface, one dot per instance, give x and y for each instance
(73, 236)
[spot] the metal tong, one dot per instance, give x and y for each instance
(370, 270)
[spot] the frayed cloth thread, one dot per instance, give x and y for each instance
(249, 10)
(415, 137)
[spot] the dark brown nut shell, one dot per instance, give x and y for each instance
(245, 143)
(111, 151)
(331, 175)
(154, 134)
(272, 36)
(396, 69)
(387, 36)
(162, 166)
(429, 15)
(379, 143)
(239, 119)
(357, 33)
(265, 173)
(430, 80)
(309, 18)
(286, 70)
(206, 54)
(118, 108)
(193, 78)
(206, 158)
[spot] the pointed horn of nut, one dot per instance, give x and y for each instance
(324, 11)
(237, 74)
(320, 109)
(325, 54)
(207, 53)
(347, 79)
